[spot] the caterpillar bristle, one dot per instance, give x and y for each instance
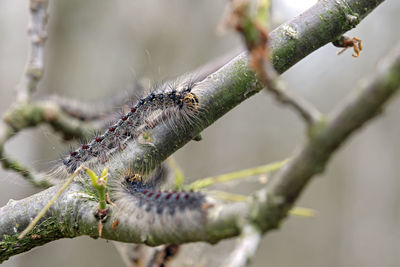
(139, 185)
(147, 198)
(172, 103)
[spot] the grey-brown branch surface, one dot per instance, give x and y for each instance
(35, 65)
(73, 214)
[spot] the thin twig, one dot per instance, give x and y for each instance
(37, 179)
(265, 169)
(26, 115)
(303, 212)
(276, 86)
(31, 77)
(35, 64)
(51, 202)
(248, 243)
(324, 139)
(163, 255)
(133, 255)
(254, 28)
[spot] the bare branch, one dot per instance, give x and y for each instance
(35, 64)
(265, 169)
(35, 178)
(273, 84)
(25, 115)
(30, 115)
(325, 138)
(254, 28)
(246, 248)
(99, 111)
(163, 255)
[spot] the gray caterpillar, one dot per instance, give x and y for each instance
(159, 105)
(146, 201)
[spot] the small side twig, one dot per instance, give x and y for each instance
(28, 115)
(265, 169)
(273, 84)
(8, 163)
(253, 29)
(51, 202)
(311, 158)
(37, 179)
(22, 116)
(248, 243)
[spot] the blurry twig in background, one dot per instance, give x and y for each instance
(32, 75)
(252, 22)
(35, 64)
(295, 211)
(253, 26)
(98, 111)
(36, 179)
(303, 212)
(163, 255)
(33, 114)
(325, 138)
(246, 247)
(23, 114)
(27, 115)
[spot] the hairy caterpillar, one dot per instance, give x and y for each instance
(131, 187)
(146, 199)
(158, 106)
(177, 104)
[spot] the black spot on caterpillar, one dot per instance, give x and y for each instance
(160, 105)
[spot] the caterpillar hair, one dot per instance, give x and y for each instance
(147, 202)
(171, 103)
(136, 185)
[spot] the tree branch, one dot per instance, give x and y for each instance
(273, 84)
(324, 139)
(254, 30)
(35, 65)
(25, 115)
(246, 248)
(72, 215)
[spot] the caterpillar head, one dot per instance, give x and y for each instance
(191, 101)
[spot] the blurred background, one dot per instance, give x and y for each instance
(98, 47)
